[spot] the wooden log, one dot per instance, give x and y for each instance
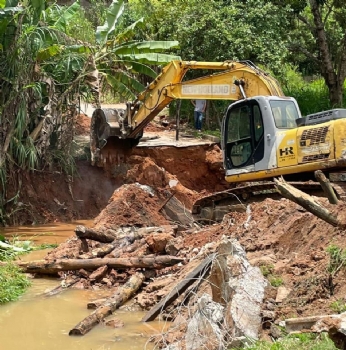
(53, 267)
(117, 247)
(306, 201)
(326, 187)
(116, 237)
(102, 251)
(195, 275)
(63, 286)
(89, 233)
(123, 294)
(118, 252)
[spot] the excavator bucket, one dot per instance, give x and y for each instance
(106, 143)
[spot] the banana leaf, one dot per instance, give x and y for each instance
(67, 15)
(141, 47)
(151, 58)
(129, 32)
(137, 67)
(114, 12)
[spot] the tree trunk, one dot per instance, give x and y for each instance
(327, 66)
(52, 268)
(110, 305)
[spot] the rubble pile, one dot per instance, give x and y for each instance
(218, 284)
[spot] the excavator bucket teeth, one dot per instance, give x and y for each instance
(106, 143)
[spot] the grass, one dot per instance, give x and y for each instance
(268, 272)
(304, 341)
(337, 259)
(276, 281)
(338, 306)
(13, 283)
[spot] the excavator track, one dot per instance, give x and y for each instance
(242, 193)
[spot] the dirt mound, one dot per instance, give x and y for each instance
(197, 168)
(132, 205)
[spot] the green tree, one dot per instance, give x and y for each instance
(217, 30)
(318, 37)
(45, 68)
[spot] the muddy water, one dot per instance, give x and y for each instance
(36, 322)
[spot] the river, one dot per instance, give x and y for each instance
(37, 322)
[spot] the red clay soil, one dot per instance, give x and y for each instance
(289, 243)
(132, 205)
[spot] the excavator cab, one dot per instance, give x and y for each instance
(251, 130)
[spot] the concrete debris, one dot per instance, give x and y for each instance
(335, 325)
(231, 314)
(203, 330)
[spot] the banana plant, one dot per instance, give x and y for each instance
(120, 59)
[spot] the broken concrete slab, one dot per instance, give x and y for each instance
(203, 330)
(335, 325)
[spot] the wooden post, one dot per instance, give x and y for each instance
(305, 201)
(326, 187)
(89, 233)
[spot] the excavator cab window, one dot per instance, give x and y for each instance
(285, 114)
(244, 135)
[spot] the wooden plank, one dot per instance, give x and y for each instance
(196, 274)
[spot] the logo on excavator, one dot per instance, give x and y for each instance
(286, 151)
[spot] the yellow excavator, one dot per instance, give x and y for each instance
(263, 132)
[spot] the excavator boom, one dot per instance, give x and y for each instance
(229, 81)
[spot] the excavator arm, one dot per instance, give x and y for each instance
(112, 129)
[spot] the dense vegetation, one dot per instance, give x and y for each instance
(53, 54)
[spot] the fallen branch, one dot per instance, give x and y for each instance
(53, 267)
(196, 274)
(123, 294)
(306, 201)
